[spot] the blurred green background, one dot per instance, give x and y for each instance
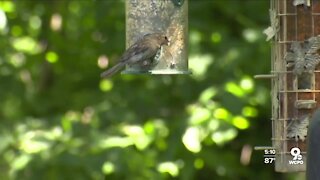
(59, 120)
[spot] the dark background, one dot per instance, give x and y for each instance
(59, 120)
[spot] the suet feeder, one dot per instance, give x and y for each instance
(169, 17)
(295, 78)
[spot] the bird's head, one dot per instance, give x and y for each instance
(161, 38)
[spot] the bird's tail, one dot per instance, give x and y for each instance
(110, 72)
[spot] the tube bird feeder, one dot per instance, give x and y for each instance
(169, 17)
(295, 78)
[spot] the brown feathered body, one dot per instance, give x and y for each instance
(144, 49)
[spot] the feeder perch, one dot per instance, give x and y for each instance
(158, 16)
(295, 77)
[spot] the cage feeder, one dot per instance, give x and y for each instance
(295, 78)
(158, 16)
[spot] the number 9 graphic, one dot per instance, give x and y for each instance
(295, 152)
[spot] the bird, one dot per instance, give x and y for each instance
(142, 50)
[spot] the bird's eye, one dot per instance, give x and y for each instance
(166, 38)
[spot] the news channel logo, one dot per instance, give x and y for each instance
(296, 156)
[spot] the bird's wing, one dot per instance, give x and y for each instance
(138, 52)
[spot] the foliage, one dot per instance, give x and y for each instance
(61, 121)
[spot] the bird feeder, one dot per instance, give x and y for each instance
(158, 16)
(295, 78)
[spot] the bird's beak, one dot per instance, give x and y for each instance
(166, 41)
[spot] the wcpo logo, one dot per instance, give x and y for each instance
(297, 157)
